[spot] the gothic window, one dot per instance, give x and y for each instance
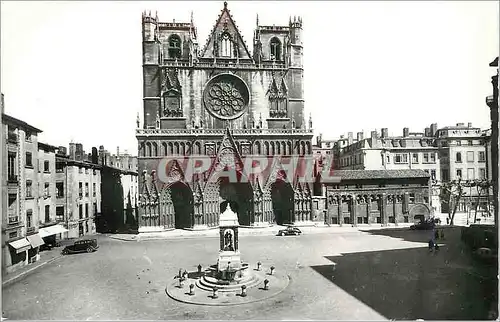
(154, 151)
(277, 100)
(164, 149)
(142, 149)
(226, 45)
(148, 149)
(174, 46)
(266, 148)
(197, 149)
(172, 104)
(302, 148)
(258, 148)
(275, 49)
(170, 148)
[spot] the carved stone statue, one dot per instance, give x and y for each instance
(228, 241)
(157, 120)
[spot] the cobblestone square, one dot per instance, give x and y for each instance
(376, 276)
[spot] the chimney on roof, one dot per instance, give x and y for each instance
(62, 150)
(384, 133)
(72, 151)
(469, 124)
(79, 152)
(2, 102)
(117, 151)
(318, 140)
(95, 156)
(349, 138)
(359, 136)
(460, 124)
(427, 132)
(406, 132)
(373, 135)
(434, 128)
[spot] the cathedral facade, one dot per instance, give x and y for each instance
(221, 100)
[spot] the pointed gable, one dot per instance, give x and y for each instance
(283, 87)
(273, 89)
(171, 81)
(227, 155)
(145, 195)
(276, 173)
(174, 174)
(225, 25)
(198, 193)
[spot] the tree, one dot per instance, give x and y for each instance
(451, 193)
(482, 186)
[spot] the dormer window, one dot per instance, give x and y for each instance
(174, 46)
(275, 49)
(226, 45)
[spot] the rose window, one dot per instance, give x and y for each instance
(226, 96)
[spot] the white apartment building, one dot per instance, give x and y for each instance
(20, 187)
(447, 153)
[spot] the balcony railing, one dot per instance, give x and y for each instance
(12, 137)
(224, 63)
(12, 178)
(30, 229)
(218, 132)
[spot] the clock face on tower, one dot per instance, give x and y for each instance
(226, 96)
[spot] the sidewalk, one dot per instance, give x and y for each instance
(243, 231)
(46, 257)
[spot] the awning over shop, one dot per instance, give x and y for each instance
(20, 245)
(52, 230)
(35, 240)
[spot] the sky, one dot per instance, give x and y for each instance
(73, 69)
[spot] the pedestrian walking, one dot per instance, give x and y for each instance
(436, 234)
(431, 245)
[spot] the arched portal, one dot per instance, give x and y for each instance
(282, 199)
(182, 199)
(240, 197)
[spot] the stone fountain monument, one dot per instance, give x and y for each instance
(229, 260)
(230, 275)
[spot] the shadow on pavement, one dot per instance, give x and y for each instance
(414, 283)
(420, 236)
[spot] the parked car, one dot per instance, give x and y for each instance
(81, 246)
(290, 230)
(427, 224)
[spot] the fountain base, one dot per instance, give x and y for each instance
(230, 291)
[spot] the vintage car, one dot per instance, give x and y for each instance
(427, 224)
(290, 230)
(81, 246)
